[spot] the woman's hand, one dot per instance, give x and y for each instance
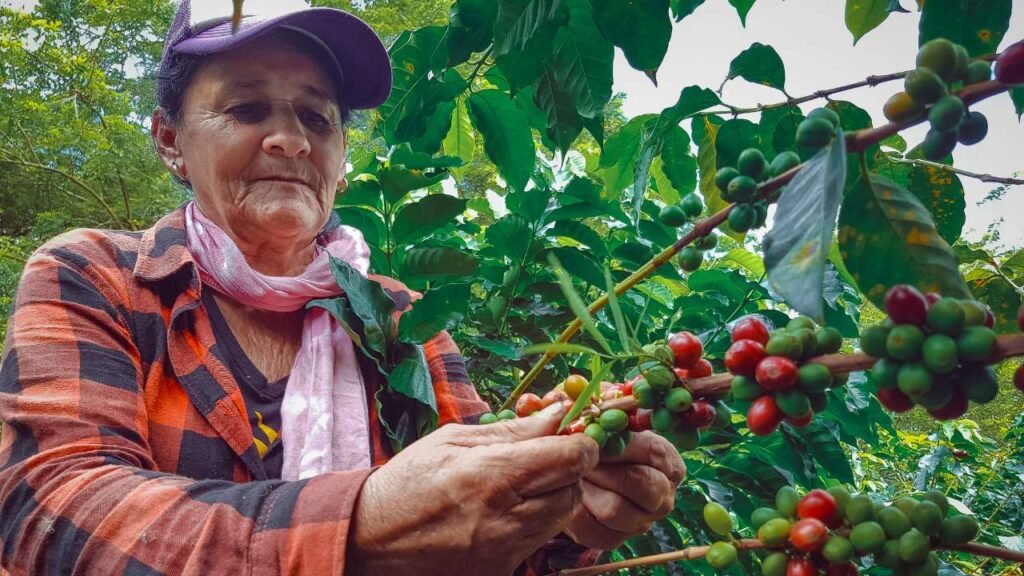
(624, 495)
(470, 499)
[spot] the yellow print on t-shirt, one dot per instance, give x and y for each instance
(270, 436)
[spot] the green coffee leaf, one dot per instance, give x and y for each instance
(796, 248)
(420, 219)
(620, 320)
(577, 305)
(742, 9)
(759, 64)
(440, 309)
(518, 20)
(582, 61)
(878, 213)
(641, 29)
(863, 16)
(508, 141)
(978, 25)
(470, 29)
(436, 262)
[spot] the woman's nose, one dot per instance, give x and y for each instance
(286, 136)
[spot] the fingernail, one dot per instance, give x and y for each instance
(555, 409)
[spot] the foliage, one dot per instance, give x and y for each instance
(503, 146)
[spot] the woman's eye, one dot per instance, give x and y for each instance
(249, 112)
(317, 120)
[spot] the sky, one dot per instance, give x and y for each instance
(818, 51)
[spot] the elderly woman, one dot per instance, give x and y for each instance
(169, 405)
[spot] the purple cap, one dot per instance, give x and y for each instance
(363, 65)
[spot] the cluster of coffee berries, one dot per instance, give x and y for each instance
(827, 530)
(663, 400)
(720, 555)
(817, 130)
(804, 534)
(767, 371)
(692, 256)
(942, 66)
(675, 215)
(740, 186)
(1010, 64)
(932, 351)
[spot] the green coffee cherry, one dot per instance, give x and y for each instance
(613, 420)
(596, 433)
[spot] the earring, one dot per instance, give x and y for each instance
(343, 185)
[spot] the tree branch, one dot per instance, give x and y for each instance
(691, 553)
(869, 81)
(696, 552)
(948, 168)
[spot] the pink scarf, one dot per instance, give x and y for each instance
(324, 411)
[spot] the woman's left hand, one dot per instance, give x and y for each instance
(623, 496)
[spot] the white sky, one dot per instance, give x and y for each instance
(811, 38)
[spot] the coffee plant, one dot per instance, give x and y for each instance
(748, 365)
(502, 182)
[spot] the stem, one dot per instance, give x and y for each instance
(696, 552)
(855, 142)
(691, 553)
(479, 65)
(869, 81)
(989, 551)
(948, 168)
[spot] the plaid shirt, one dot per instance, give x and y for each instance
(126, 448)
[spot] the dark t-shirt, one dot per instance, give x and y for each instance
(262, 398)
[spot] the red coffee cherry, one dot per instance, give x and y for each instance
(932, 298)
(703, 369)
(848, 569)
(640, 420)
(1010, 64)
(687, 348)
(764, 416)
(895, 401)
(801, 567)
(906, 305)
(743, 357)
(1018, 378)
(808, 534)
(701, 415)
(750, 328)
(817, 504)
(776, 373)
(955, 408)
(802, 420)
(528, 404)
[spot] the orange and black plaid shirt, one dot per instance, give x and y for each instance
(126, 446)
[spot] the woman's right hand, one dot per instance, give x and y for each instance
(470, 499)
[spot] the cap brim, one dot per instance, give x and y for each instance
(364, 60)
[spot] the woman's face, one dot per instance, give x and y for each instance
(261, 142)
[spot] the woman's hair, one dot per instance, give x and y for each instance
(174, 77)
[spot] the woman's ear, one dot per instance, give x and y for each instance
(165, 137)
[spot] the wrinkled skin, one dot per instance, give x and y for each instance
(480, 499)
